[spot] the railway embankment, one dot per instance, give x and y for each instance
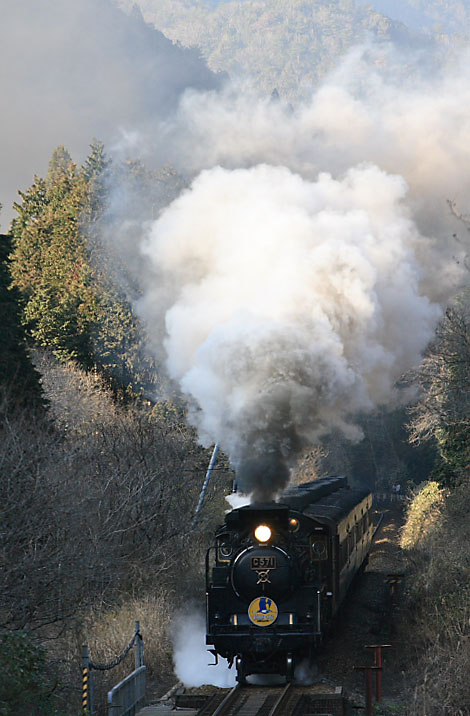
(373, 616)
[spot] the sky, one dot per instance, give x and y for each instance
(72, 70)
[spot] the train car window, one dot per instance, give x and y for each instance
(343, 557)
(318, 547)
(351, 541)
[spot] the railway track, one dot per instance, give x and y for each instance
(254, 701)
(285, 700)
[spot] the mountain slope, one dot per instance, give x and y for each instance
(287, 44)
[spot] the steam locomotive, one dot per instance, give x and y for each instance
(278, 573)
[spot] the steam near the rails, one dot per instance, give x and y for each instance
(194, 665)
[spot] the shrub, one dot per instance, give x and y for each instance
(97, 506)
(110, 630)
(26, 685)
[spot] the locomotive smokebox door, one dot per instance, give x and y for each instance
(259, 571)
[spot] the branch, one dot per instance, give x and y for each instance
(464, 218)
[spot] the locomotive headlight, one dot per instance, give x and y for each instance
(294, 524)
(263, 533)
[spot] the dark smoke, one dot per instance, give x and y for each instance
(263, 476)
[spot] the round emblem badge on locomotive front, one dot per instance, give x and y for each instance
(263, 611)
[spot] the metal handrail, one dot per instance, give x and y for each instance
(129, 693)
(126, 697)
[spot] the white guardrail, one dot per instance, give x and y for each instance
(126, 697)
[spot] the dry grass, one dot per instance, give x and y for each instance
(110, 631)
(424, 515)
(437, 538)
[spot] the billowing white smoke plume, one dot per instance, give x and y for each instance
(297, 304)
(301, 280)
(191, 658)
(406, 123)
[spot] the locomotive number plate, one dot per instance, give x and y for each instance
(258, 563)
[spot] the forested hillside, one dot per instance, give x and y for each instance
(283, 44)
(432, 16)
(99, 483)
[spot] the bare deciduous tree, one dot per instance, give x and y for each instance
(443, 410)
(97, 508)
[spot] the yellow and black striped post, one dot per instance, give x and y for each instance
(87, 687)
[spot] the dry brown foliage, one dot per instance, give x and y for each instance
(439, 596)
(96, 519)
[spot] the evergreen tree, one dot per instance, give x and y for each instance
(97, 162)
(49, 262)
(96, 170)
(118, 337)
(18, 377)
(60, 165)
(30, 232)
(75, 283)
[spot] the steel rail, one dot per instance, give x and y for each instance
(227, 700)
(378, 525)
(280, 700)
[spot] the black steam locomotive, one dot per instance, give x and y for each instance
(279, 571)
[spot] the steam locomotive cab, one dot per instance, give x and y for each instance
(274, 579)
